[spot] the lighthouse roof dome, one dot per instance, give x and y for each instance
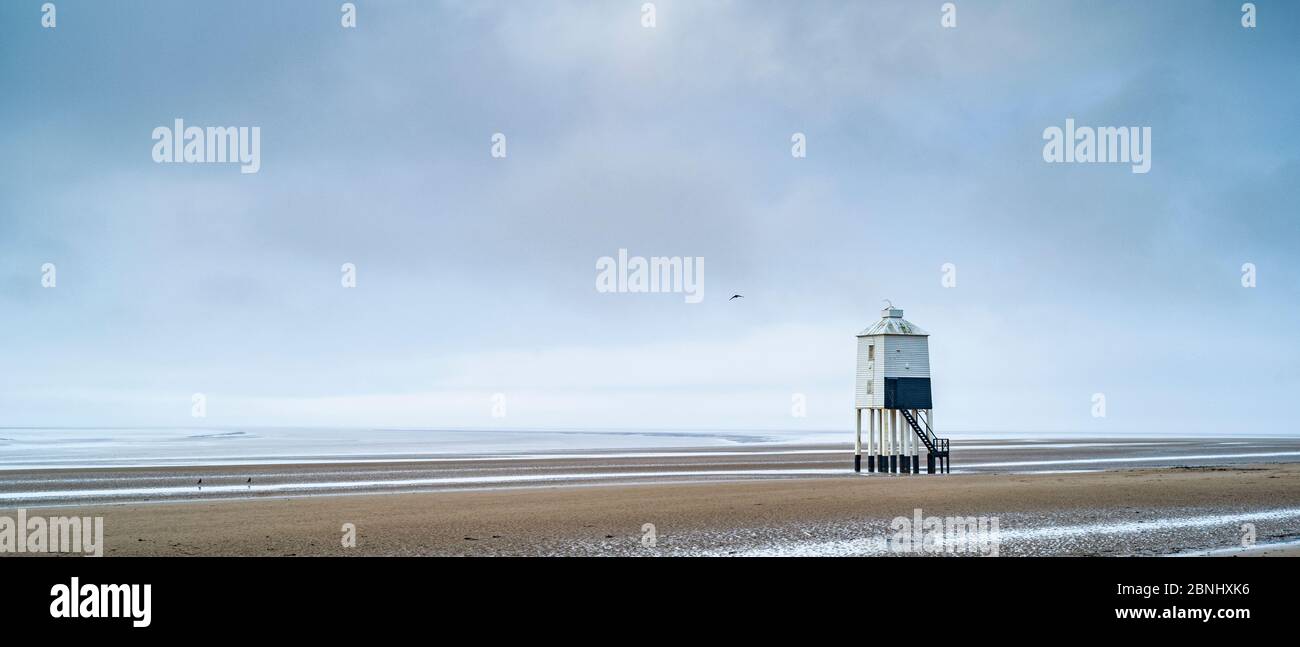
(892, 323)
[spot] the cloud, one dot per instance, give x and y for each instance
(476, 275)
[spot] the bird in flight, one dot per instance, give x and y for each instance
(736, 296)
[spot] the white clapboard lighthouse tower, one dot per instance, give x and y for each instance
(893, 387)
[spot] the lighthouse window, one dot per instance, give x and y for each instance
(871, 353)
(871, 387)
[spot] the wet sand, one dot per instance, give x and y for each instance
(743, 462)
(1289, 548)
(1152, 496)
(1122, 512)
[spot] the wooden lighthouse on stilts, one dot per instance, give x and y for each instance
(893, 387)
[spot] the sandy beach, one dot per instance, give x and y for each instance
(1118, 511)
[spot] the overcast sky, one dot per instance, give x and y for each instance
(477, 275)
